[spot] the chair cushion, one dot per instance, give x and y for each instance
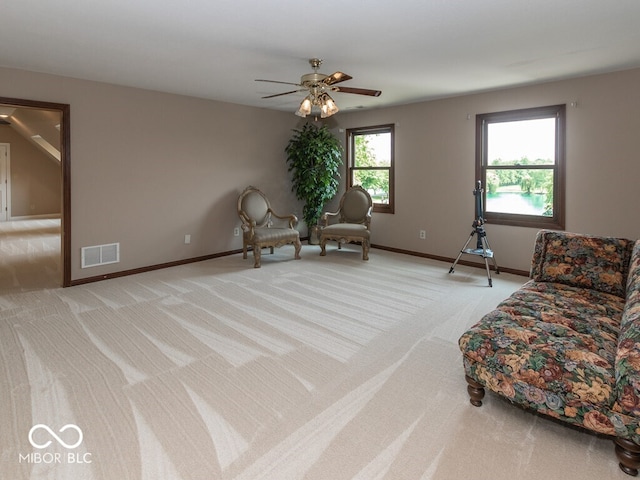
(550, 347)
(598, 263)
(262, 235)
(345, 230)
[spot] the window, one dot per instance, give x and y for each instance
(520, 162)
(370, 162)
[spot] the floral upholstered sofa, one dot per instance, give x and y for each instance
(567, 343)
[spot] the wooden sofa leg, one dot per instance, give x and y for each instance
(628, 454)
(476, 391)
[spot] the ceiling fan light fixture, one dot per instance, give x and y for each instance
(305, 107)
(317, 85)
(328, 107)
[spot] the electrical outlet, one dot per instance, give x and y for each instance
(236, 232)
(187, 239)
(423, 234)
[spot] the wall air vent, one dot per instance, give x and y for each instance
(100, 255)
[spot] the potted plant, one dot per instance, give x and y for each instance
(314, 156)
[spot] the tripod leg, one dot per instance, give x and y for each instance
(486, 264)
(461, 252)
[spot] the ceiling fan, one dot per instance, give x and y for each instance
(319, 85)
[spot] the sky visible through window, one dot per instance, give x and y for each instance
(380, 144)
(532, 139)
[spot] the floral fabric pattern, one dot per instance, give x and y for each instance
(598, 263)
(563, 348)
(628, 355)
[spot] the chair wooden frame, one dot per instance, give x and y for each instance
(258, 230)
(353, 221)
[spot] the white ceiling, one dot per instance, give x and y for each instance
(412, 50)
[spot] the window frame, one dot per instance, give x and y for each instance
(372, 130)
(557, 221)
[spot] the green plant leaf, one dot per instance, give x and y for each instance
(314, 156)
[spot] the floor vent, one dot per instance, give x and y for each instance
(100, 255)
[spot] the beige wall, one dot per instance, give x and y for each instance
(435, 169)
(35, 178)
(148, 168)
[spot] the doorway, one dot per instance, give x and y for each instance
(64, 159)
(4, 183)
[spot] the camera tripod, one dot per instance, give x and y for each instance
(483, 249)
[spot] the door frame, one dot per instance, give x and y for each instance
(65, 165)
(7, 183)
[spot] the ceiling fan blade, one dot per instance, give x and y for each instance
(336, 77)
(285, 93)
(276, 81)
(359, 91)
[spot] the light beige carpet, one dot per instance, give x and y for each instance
(325, 368)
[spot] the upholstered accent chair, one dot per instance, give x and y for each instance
(259, 230)
(351, 223)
